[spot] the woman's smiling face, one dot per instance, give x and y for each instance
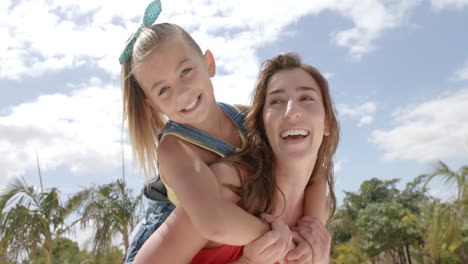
(294, 115)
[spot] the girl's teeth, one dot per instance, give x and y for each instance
(192, 105)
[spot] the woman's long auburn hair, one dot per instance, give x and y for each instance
(258, 194)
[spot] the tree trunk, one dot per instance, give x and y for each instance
(48, 251)
(408, 255)
(125, 239)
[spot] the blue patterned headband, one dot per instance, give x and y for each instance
(151, 14)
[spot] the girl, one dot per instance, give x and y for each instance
(294, 134)
(166, 75)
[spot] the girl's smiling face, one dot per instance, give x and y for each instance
(176, 81)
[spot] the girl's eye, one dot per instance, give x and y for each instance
(163, 90)
(275, 102)
(185, 71)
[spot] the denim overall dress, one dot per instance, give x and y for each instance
(159, 206)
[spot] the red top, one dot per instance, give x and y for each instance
(218, 255)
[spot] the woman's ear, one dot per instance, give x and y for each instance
(326, 129)
(210, 62)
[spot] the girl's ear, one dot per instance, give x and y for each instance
(150, 104)
(210, 62)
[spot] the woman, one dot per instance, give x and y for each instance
(294, 134)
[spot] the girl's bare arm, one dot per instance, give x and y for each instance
(200, 196)
(177, 240)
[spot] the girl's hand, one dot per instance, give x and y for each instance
(272, 247)
(302, 254)
(286, 236)
(268, 249)
(316, 234)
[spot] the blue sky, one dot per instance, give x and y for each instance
(398, 71)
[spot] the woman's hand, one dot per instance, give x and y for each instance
(316, 234)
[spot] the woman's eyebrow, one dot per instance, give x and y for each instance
(299, 88)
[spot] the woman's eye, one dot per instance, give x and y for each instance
(163, 90)
(307, 98)
(185, 71)
(276, 102)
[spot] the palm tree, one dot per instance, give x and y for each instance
(442, 224)
(110, 209)
(460, 178)
(31, 219)
(446, 221)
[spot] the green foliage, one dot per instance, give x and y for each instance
(347, 253)
(447, 255)
(33, 221)
(382, 227)
(341, 227)
(459, 178)
(384, 223)
(446, 222)
(64, 251)
(112, 256)
(29, 218)
(380, 219)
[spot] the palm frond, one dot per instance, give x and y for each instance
(18, 191)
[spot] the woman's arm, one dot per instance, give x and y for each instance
(313, 239)
(315, 204)
(200, 196)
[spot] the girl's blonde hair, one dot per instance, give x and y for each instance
(258, 194)
(144, 122)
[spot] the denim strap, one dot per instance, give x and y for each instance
(205, 140)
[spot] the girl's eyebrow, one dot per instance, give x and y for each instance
(178, 66)
(183, 61)
(299, 88)
(156, 84)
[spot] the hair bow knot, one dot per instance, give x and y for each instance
(152, 12)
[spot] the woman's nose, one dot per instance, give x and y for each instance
(292, 111)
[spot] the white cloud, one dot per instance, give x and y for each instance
(437, 129)
(67, 33)
(338, 166)
(371, 18)
(461, 74)
(364, 112)
(42, 36)
(233, 89)
(80, 131)
(449, 4)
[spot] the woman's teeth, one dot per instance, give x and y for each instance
(294, 132)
